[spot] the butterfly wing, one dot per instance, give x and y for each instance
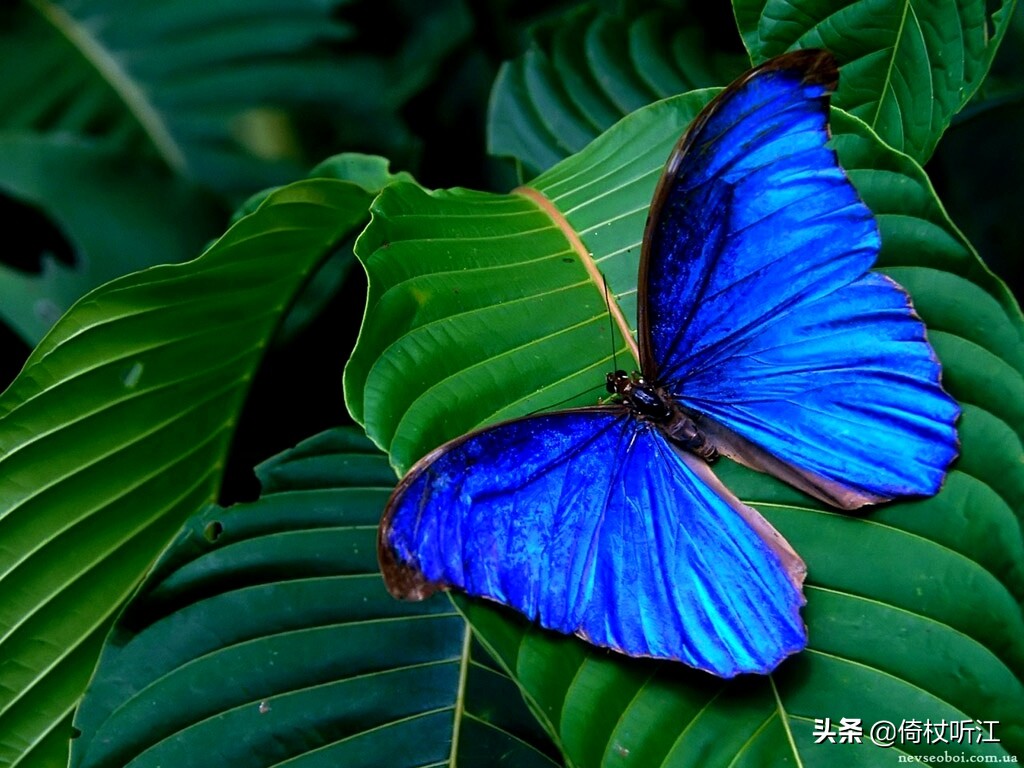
(758, 311)
(589, 522)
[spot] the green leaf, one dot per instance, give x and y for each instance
(117, 430)
(481, 307)
(588, 69)
(270, 621)
(207, 87)
(119, 216)
(369, 172)
(907, 66)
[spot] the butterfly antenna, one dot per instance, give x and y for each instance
(566, 400)
(611, 323)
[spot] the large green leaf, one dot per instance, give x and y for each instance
(120, 215)
(208, 87)
(907, 67)
(117, 430)
(586, 70)
(481, 307)
(269, 621)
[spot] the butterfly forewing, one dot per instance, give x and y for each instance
(757, 309)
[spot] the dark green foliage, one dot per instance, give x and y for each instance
(258, 633)
(298, 643)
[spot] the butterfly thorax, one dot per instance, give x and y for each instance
(655, 404)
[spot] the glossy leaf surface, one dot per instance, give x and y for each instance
(448, 290)
(908, 65)
(210, 89)
(121, 215)
(588, 69)
(908, 68)
(117, 430)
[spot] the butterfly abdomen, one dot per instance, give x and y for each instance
(683, 431)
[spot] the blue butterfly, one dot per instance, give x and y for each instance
(762, 336)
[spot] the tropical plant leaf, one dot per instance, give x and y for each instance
(206, 87)
(486, 301)
(586, 72)
(907, 67)
(117, 430)
(270, 621)
(588, 69)
(372, 174)
(121, 215)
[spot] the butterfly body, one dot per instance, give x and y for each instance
(655, 404)
(762, 336)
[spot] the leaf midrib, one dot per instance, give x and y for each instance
(130, 93)
(586, 259)
(784, 719)
(508, 734)
(459, 706)
(887, 82)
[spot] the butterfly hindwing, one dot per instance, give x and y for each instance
(758, 311)
(845, 388)
(591, 523)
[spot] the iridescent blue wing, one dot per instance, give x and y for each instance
(590, 523)
(758, 312)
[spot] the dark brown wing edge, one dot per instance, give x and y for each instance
(817, 65)
(403, 580)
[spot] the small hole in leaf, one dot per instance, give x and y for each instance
(75, 732)
(213, 530)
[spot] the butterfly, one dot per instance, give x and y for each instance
(762, 336)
